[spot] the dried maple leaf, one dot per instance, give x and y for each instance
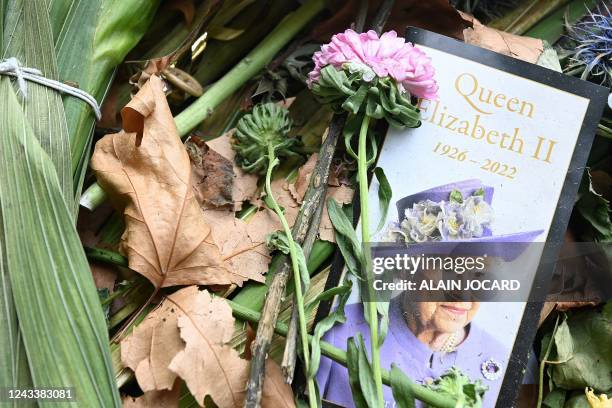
(204, 360)
(166, 238)
(524, 48)
(240, 247)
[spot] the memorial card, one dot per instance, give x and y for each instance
(481, 193)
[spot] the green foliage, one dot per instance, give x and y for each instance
(583, 350)
(401, 386)
(458, 386)
(278, 240)
(59, 313)
(384, 195)
(346, 238)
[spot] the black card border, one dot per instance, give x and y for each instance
(597, 96)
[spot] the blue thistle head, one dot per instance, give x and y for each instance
(592, 57)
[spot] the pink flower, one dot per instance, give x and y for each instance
(387, 56)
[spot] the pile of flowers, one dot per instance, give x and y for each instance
(454, 219)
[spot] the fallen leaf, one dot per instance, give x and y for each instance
(155, 399)
(434, 15)
(240, 247)
(244, 186)
(213, 175)
(524, 48)
(151, 347)
(204, 360)
(166, 238)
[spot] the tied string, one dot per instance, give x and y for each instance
(12, 67)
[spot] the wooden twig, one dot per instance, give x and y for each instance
(290, 353)
(313, 201)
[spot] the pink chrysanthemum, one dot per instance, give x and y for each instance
(388, 55)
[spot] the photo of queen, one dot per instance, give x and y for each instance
(426, 339)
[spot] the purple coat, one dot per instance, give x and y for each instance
(413, 357)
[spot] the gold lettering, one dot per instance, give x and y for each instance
(471, 79)
(525, 104)
(514, 101)
(491, 135)
(502, 97)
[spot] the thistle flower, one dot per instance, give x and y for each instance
(267, 126)
(592, 56)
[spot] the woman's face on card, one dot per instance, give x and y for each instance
(445, 317)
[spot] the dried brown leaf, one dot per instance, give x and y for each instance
(524, 48)
(240, 248)
(205, 361)
(151, 347)
(208, 364)
(166, 238)
(244, 186)
(213, 175)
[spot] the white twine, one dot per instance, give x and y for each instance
(12, 66)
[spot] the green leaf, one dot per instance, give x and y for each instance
(590, 364)
(57, 305)
(555, 399)
(458, 386)
(278, 240)
(563, 342)
(31, 43)
(480, 192)
(346, 238)
(456, 197)
(352, 363)
(401, 388)
(384, 195)
(366, 377)
(337, 316)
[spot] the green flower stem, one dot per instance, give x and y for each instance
(250, 65)
(246, 69)
(370, 306)
(299, 297)
(430, 397)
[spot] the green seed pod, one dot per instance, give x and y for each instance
(266, 127)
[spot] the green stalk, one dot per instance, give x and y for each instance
(250, 65)
(247, 68)
(299, 297)
(431, 398)
(370, 306)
